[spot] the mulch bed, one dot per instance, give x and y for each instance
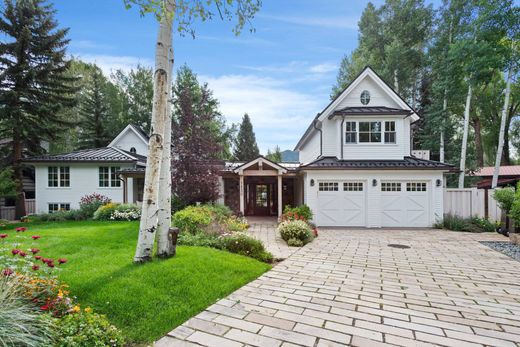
(504, 247)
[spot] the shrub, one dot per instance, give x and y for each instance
(474, 224)
(201, 240)
(86, 329)
(58, 216)
(3, 222)
(126, 212)
(295, 243)
(294, 213)
(237, 224)
(248, 246)
(192, 219)
(91, 202)
(505, 198)
(296, 229)
(20, 322)
(105, 212)
(483, 224)
(220, 211)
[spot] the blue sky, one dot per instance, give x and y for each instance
(281, 75)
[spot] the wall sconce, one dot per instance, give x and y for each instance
(438, 183)
(374, 183)
(312, 183)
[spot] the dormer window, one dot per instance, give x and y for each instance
(133, 150)
(365, 97)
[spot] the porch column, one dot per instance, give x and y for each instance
(241, 185)
(280, 202)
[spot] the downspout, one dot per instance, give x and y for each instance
(341, 135)
(321, 136)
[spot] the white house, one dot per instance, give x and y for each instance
(356, 169)
(61, 180)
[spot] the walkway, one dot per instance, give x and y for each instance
(264, 229)
(351, 288)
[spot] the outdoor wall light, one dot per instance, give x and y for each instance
(438, 182)
(374, 183)
(312, 183)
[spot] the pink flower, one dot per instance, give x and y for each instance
(50, 264)
(38, 257)
(36, 237)
(62, 260)
(36, 267)
(7, 272)
(3, 236)
(22, 254)
(22, 229)
(34, 250)
(15, 251)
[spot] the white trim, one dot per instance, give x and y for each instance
(124, 153)
(123, 132)
(260, 161)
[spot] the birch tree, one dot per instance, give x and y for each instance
(178, 14)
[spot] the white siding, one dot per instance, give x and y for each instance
(331, 139)
(378, 97)
(130, 139)
(84, 179)
(373, 213)
(311, 149)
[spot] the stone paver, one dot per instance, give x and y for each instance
(349, 288)
(264, 229)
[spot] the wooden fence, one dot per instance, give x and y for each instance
(468, 202)
(9, 212)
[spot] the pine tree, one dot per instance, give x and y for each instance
(275, 155)
(34, 84)
(245, 144)
(95, 112)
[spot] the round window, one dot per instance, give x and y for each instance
(365, 97)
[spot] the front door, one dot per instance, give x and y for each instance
(259, 198)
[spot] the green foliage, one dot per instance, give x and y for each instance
(296, 229)
(90, 203)
(483, 224)
(275, 155)
(200, 239)
(295, 242)
(514, 212)
(86, 329)
(21, 323)
(246, 147)
(60, 216)
(105, 212)
(248, 246)
(474, 224)
(192, 219)
(292, 213)
(505, 198)
(7, 185)
(236, 224)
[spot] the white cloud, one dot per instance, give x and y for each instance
(111, 63)
(87, 44)
(324, 68)
(295, 67)
(279, 114)
(243, 40)
(343, 22)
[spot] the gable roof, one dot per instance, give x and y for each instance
(407, 163)
(134, 128)
(370, 111)
(258, 160)
(367, 71)
(104, 154)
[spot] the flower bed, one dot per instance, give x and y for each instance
(296, 227)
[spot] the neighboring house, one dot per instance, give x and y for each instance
(62, 179)
(507, 176)
(356, 166)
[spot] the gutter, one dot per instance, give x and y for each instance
(342, 134)
(321, 136)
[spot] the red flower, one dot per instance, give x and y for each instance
(22, 254)
(7, 272)
(36, 237)
(315, 232)
(22, 229)
(38, 257)
(34, 250)
(62, 260)
(36, 267)
(15, 251)
(3, 236)
(50, 264)
(45, 307)
(46, 260)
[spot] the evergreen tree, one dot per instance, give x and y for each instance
(245, 143)
(95, 112)
(34, 86)
(275, 155)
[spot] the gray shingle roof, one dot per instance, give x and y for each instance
(105, 154)
(370, 111)
(408, 163)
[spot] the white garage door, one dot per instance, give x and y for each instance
(341, 203)
(405, 204)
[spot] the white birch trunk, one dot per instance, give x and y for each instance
(149, 214)
(503, 119)
(444, 108)
(165, 182)
(465, 136)
(396, 82)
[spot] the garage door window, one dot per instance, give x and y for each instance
(416, 187)
(328, 186)
(390, 187)
(353, 186)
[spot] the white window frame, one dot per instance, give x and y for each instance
(357, 132)
(328, 186)
(62, 177)
(391, 186)
(111, 177)
(61, 206)
(353, 186)
(416, 187)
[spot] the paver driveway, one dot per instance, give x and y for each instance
(349, 288)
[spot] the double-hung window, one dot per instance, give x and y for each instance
(389, 132)
(58, 176)
(108, 176)
(350, 132)
(55, 207)
(369, 132)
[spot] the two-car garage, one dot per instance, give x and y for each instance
(373, 202)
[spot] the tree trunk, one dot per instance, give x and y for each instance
(165, 248)
(149, 215)
(444, 108)
(498, 157)
(506, 154)
(465, 136)
(477, 127)
(18, 175)
(396, 82)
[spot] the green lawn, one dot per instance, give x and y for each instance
(145, 301)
